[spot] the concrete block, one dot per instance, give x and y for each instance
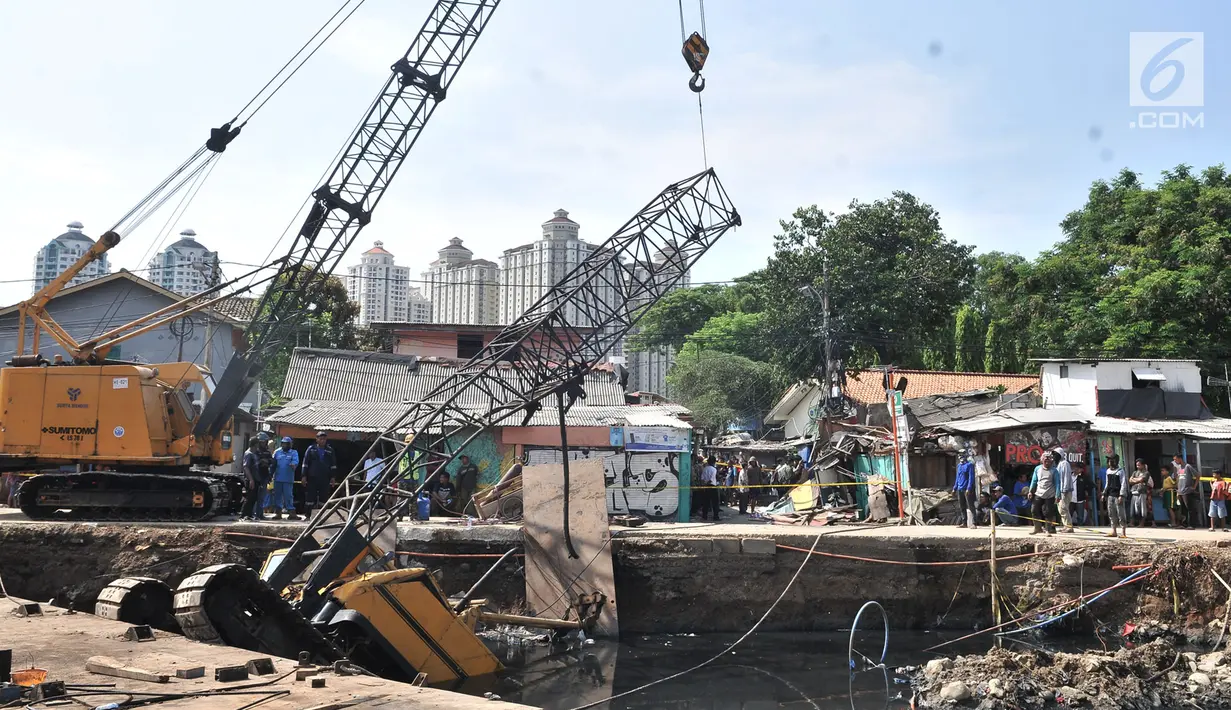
(189, 673)
(726, 545)
(758, 546)
(697, 546)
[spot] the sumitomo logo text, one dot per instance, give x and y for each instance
(1166, 70)
(70, 430)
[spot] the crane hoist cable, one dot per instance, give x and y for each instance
(222, 136)
(696, 50)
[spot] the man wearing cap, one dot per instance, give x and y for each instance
(319, 466)
(286, 460)
(1003, 506)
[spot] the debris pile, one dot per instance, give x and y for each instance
(502, 501)
(1154, 675)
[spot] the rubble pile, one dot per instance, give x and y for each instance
(1154, 675)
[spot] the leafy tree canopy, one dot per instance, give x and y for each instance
(895, 280)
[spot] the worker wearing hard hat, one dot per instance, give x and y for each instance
(286, 461)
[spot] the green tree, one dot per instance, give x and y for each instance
(736, 333)
(938, 355)
(895, 281)
(1001, 348)
(1142, 271)
(970, 333)
(678, 314)
(331, 324)
(721, 387)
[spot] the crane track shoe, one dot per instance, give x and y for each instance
(138, 601)
(230, 604)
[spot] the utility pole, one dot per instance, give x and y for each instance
(829, 368)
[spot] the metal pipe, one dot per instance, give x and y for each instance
(461, 604)
(531, 621)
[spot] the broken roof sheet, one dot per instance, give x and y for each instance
(1017, 419)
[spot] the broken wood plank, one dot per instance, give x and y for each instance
(553, 580)
(106, 665)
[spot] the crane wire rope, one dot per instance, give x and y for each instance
(198, 177)
(123, 227)
(705, 158)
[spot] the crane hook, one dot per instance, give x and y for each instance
(696, 50)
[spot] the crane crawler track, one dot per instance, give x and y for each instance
(230, 604)
(114, 496)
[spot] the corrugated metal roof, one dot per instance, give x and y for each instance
(375, 417)
(1214, 428)
(354, 376)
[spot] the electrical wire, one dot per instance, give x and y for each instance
(1095, 597)
(737, 642)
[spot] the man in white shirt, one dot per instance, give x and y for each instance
(372, 467)
(709, 490)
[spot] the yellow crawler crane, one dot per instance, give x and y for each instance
(126, 428)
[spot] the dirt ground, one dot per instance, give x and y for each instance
(72, 563)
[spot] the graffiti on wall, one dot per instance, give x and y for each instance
(641, 483)
(486, 453)
(1027, 446)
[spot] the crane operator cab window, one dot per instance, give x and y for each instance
(181, 411)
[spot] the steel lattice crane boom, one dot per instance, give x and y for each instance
(540, 359)
(344, 204)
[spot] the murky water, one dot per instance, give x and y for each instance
(766, 671)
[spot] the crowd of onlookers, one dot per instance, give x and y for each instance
(1059, 495)
(743, 481)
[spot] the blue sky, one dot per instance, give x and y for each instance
(988, 111)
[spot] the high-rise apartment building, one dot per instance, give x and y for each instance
(418, 307)
(186, 267)
(528, 271)
(379, 286)
(62, 252)
(463, 289)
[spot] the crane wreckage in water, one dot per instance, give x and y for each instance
(337, 592)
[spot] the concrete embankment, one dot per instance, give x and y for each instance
(702, 580)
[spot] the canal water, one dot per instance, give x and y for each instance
(771, 670)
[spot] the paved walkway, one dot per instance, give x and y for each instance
(732, 524)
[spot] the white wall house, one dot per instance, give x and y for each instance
(1107, 387)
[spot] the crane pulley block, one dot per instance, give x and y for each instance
(696, 50)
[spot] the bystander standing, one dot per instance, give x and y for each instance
(1044, 488)
(1218, 501)
(1115, 490)
(1141, 485)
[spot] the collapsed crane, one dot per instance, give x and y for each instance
(337, 592)
(143, 457)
